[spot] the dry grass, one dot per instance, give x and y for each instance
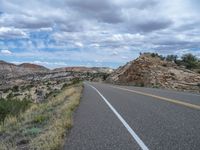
(43, 126)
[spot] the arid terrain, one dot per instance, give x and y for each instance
(151, 71)
(99, 75)
(36, 82)
(36, 103)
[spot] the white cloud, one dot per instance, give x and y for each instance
(12, 33)
(79, 44)
(96, 45)
(6, 52)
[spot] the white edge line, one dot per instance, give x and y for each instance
(130, 130)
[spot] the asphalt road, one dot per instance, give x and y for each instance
(130, 118)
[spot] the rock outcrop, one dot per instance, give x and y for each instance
(153, 72)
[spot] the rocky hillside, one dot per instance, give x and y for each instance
(24, 74)
(9, 70)
(85, 69)
(33, 67)
(153, 72)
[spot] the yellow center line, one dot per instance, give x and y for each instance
(193, 106)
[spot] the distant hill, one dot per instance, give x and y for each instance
(5, 63)
(86, 69)
(9, 70)
(33, 67)
(151, 71)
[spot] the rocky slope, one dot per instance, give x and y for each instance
(33, 67)
(153, 72)
(9, 70)
(85, 69)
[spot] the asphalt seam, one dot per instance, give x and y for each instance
(189, 105)
(130, 130)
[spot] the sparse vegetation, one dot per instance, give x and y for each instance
(172, 58)
(39, 119)
(156, 86)
(198, 84)
(188, 60)
(12, 107)
(15, 88)
(154, 55)
(43, 125)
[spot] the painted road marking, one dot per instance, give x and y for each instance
(193, 106)
(130, 130)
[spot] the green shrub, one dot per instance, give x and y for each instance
(39, 119)
(32, 131)
(190, 61)
(164, 65)
(154, 55)
(172, 58)
(15, 88)
(141, 84)
(76, 81)
(6, 90)
(12, 107)
(65, 85)
(156, 86)
(10, 96)
(198, 84)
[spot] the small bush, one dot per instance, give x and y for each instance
(32, 131)
(6, 90)
(39, 119)
(139, 84)
(76, 81)
(164, 65)
(172, 74)
(142, 84)
(64, 86)
(10, 96)
(198, 85)
(156, 86)
(190, 61)
(15, 88)
(172, 58)
(154, 55)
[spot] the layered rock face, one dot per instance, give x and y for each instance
(153, 72)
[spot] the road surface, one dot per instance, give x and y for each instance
(130, 118)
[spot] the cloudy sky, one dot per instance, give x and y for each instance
(109, 33)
